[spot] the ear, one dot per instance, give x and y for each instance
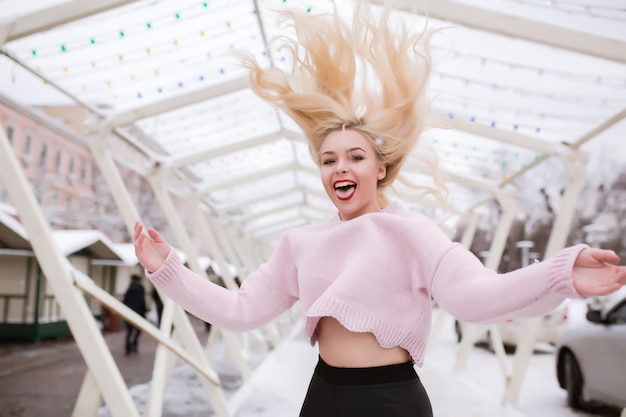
(382, 171)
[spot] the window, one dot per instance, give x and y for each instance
(58, 159)
(83, 170)
(70, 168)
(43, 156)
(27, 144)
(10, 133)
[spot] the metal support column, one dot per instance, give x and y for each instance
(575, 162)
(157, 182)
(508, 201)
(208, 236)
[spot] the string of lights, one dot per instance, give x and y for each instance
(588, 78)
(559, 97)
(465, 102)
(106, 36)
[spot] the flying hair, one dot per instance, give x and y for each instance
(370, 76)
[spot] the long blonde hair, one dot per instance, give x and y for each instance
(368, 77)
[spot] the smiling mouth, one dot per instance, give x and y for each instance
(344, 189)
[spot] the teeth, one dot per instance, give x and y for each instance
(343, 184)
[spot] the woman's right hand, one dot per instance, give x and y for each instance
(151, 249)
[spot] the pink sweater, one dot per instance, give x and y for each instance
(375, 273)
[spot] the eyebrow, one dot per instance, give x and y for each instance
(347, 151)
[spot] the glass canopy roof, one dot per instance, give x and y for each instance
(514, 82)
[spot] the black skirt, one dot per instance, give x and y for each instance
(381, 391)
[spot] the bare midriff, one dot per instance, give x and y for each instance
(343, 348)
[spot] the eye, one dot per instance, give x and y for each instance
(356, 158)
(328, 162)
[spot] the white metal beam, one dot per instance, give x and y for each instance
(318, 193)
(249, 219)
(322, 212)
(472, 182)
(281, 169)
(612, 121)
(304, 190)
(157, 182)
(195, 157)
(245, 203)
(508, 199)
(522, 28)
(575, 164)
(294, 135)
(259, 229)
(56, 15)
(178, 101)
(273, 233)
(511, 138)
(97, 142)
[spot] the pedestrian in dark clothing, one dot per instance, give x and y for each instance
(135, 299)
(158, 303)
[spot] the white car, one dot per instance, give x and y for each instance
(591, 359)
(511, 331)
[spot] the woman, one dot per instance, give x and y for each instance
(365, 277)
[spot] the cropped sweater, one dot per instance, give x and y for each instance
(375, 273)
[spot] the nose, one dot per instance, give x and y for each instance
(342, 167)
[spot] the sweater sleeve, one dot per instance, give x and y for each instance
(264, 294)
(473, 293)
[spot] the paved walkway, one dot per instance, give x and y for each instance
(44, 379)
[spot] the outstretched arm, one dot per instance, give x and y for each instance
(472, 293)
(595, 272)
(264, 294)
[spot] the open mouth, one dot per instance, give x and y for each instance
(344, 189)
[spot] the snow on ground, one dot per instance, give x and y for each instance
(278, 384)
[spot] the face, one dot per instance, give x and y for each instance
(350, 170)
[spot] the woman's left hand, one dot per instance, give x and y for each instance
(595, 272)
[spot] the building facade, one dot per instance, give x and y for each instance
(73, 197)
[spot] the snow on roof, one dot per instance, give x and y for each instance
(14, 236)
(73, 241)
(127, 253)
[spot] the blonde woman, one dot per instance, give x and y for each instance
(365, 277)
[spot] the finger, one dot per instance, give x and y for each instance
(622, 274)
(607, 256)
(613, 287)
(156, 236)
(138, 250)
(138, 230)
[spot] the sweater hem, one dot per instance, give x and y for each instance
(357, 320)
